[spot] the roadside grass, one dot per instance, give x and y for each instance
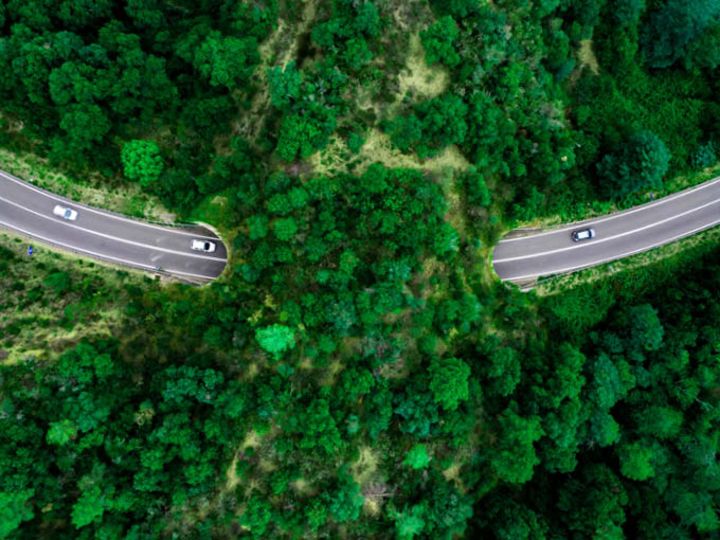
(122, 197)
(49, 302)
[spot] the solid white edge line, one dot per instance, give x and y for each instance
(607, 239)
(99, 255)
(620, 256)
(105, 213)
(111, 237)
(615, 215)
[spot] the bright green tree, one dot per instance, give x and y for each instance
(14, 509)
(417, 457)
(275, 339)
(636, 460)
(142, 161)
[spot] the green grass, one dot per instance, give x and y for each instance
(112, 194)
(40, 315)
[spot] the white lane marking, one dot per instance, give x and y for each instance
(99, 255)
(100, 212)
(110, 237)
(620, 256)
(622, 213)
(607, 239)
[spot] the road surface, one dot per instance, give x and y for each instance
(104, 235)
(522, 258)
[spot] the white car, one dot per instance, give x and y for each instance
(203, 245)
(583, 234)
(65, 212)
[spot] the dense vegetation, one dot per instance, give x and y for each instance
(356, 372)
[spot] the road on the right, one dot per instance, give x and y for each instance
(522, 258)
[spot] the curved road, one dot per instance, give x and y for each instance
(523, 258)
(104, 235)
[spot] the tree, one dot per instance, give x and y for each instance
(142, 161)
(627, 12)
(640, 164)
(318, 428)
(646, 330)
(405, 131)
(449, 382)
(636, 461)
(276, 339)
(674, 26)
(285, 84)
(410, 522)
(256, 517)
(443, 123)
(438, 41)
(347, 501)
(85, 124)
(14, 509)
(659, 421)
(62, 432)
(513, 457)
(417, 457)
(285, 229)
(226, 61)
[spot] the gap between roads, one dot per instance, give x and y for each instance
(523, 259)
(105, 235)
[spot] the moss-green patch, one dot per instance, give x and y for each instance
(41, 315)
(418, 79)
(586, 56)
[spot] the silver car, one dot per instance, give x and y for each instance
(64, 212)
(203, 245)
(583, 234)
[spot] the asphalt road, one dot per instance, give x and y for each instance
(522, 258)
(104, 235)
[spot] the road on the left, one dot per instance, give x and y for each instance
(111, 237)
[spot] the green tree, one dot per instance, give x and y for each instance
(513, 457)
(256, 517)
(674, 26)
(275, 339)
(347, 501)
(640, 164)
(417, 457)
(142, 161)
(285, 229)
(636, 461)
(659, 421)
(409, 523)
(646, 330)
(225, 60)
(285, 84)
(449, 382)
(438, 40)
(62, 432)
(14, 509)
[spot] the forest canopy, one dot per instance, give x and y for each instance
(358, 371)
